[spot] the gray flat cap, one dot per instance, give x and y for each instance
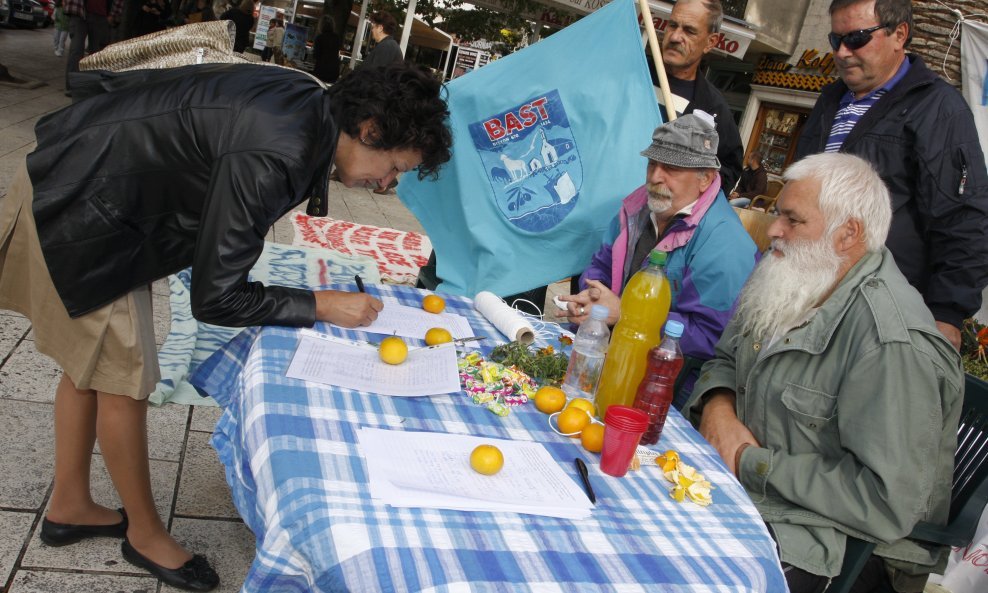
(690, 141)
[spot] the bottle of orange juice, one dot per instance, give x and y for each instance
(644, 307)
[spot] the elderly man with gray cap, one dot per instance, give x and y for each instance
(682, 211)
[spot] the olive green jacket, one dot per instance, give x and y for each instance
(856, 412)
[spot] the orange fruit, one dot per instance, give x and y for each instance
(393, 350)
(592, 437)
(486, 459)
(438, 335)
(572, 420)
(583, 404)
(550, 400)
(433, 303)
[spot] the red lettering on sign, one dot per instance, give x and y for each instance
(540, 105)
(495, 131)
(412, 242)
(527, 116)
(512, 124)
(362, 236)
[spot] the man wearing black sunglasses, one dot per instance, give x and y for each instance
(918, 132)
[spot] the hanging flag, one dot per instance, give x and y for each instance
(546, 145)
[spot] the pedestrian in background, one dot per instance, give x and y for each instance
(326, 50)
(386, 50)
(273, 37)
(242, 16)
(61, 28)
(89, 19)
(276, 37)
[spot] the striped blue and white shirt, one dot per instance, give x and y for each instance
(851, 110)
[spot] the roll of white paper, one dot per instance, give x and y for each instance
(508, 321)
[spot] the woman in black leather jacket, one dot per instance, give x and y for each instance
(149, 172)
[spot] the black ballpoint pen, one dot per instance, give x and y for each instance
(585, 478)
(360, 283)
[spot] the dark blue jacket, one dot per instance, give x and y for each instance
(922, 140)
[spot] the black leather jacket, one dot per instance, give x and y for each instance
(729, 152)
(157, 170)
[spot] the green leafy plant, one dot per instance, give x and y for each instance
(545, 365)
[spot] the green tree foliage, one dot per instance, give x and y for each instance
(480, 23)
(506, 28)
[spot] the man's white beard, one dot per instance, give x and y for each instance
(782, 290)
(659, 199)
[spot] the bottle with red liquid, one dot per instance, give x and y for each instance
(655, 392)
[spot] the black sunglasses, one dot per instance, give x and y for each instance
(855, 39)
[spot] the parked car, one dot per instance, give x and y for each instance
(49, 7)
(22, 12)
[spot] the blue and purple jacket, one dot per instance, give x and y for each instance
(710, 256)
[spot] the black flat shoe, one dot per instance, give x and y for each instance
(63, 534)
(194, 575)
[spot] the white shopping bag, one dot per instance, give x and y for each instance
(967, 567)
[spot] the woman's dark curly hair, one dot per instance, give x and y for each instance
(406, 108)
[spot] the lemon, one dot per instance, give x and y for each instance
(583, 404)
(393, 350)
(433, 303)
(572, 421)
(486, 459)
(550, 400)
(438, 335)
(592, 437)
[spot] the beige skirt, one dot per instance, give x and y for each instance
(111, 349)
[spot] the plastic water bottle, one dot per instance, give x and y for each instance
(655, 392)
(644, 307)
(587, 358)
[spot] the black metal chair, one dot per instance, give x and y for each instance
(969, 490)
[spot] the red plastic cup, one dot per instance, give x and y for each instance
(623, 429)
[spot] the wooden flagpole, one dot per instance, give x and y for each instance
(660, 68)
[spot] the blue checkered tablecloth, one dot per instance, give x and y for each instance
(300, 483)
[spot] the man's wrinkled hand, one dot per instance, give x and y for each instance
(719, 424)
(578, 305)
(952, 333)
(346, 309)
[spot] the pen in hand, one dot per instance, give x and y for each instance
(581, 467)
(360, 283)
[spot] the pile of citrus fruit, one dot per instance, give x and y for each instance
(574, 419)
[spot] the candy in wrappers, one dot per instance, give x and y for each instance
(483, 397)
(498, 408)
(493, 385)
